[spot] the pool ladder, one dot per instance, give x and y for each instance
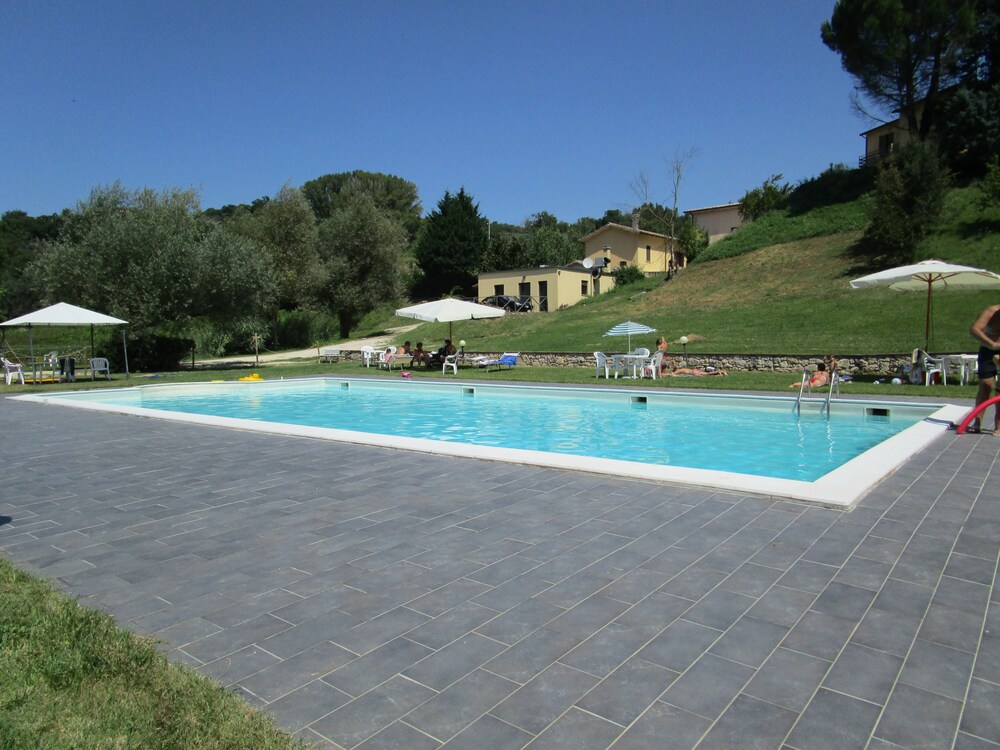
(834, 384)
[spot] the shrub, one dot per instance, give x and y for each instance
(770, 196)
(147, 351)
(693, 238)
(295, 329)
(627, 275)
(837, 184)
(300, 329)
(991, 183)
(907, 203)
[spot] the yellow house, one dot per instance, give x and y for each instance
(630, 246)
(718, 221)
(545, 287)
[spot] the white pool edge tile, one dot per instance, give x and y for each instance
(841, 488)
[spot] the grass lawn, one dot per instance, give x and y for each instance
(736, 380)
(70, 678)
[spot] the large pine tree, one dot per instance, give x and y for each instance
(450, 246)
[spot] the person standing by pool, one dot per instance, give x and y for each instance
(986, 330)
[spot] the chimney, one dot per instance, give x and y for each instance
(635, 221)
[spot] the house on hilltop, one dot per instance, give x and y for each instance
(610, 247)
(717, 221)
(651, 252)
(884, 139)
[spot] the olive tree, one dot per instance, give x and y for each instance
(361, 250)
(148, 258)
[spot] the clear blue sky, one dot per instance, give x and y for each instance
(530, 106)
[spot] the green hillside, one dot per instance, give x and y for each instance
(789, 298)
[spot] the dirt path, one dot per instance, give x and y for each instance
(352, 345)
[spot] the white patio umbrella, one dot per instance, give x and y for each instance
(64, 314)
(628, 328)
(448, 310)
(930, 274)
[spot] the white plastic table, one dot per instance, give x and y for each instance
(964, 363)
(635, 361)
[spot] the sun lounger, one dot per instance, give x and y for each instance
(507, 359)
(329, 354)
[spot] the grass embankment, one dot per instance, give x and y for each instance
(70, 678)
(736, 380)
(779, 285)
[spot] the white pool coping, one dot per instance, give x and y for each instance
(841, 488)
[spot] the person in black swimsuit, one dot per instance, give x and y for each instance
(986, 330)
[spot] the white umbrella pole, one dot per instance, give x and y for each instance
(125, 350)
(927, 322)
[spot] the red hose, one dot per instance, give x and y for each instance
(976, 412)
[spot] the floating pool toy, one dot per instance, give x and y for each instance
(251, 378)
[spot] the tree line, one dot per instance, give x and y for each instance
(302, 266)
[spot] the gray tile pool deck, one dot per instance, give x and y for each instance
(372, 598)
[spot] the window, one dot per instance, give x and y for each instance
(623, 264)
(498, 289)
(649, 253)
(885, 144)
(583, 287)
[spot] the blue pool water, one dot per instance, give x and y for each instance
(758, 436)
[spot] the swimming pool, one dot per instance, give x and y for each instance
(754, 444)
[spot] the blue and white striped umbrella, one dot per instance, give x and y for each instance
(627, 329)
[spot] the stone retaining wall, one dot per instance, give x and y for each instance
(869, 364)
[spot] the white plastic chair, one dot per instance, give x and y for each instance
(924, 366)
(604, 362)
(367, 355)
(12, 370)
(52, 365)
(385, 357)
(450, 361)
(652, 366)
(99, 364)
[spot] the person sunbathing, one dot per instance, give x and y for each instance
(695, 371)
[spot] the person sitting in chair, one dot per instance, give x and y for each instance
(420, 357)
(445, 351)
(821, 377)
(662, 346)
